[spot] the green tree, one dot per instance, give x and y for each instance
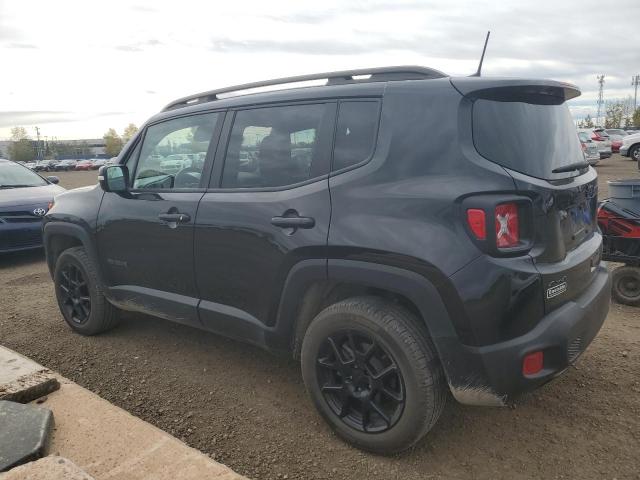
(21, 148)
(635, 118)
(588, 122)
(614, 112)
(112, 143)
(129, 132)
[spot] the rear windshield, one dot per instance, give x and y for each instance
(584, 137)
(528, 138)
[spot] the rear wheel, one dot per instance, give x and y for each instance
(80, 296)
(626, 285)
(634, 153)
(373, 374)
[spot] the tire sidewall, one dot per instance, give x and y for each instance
(68, 257)
(619, 274)
(409, 426)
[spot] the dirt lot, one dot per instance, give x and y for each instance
(249, 409)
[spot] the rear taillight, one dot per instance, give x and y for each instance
(500, 224)
(477, 223)
(597, 138)
(584, 147)
(507, 225)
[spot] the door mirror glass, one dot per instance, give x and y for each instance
(113, 178)
(53, 179)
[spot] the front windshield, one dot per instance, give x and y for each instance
(13, 175)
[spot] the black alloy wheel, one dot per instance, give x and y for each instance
(75, 299)
(360, 381)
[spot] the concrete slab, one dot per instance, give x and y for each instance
(25, 431)
(47, 468)
(23, 380)
(109, 443)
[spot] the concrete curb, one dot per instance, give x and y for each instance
(107, 442)
(23, 380)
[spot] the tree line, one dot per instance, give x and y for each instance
(618, 114)
(22, 148)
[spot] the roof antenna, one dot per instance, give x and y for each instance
(477, 74)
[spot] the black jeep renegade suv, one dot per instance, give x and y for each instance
(402, 232)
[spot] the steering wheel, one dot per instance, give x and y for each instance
(185, 178)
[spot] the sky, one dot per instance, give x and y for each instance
(77, 68)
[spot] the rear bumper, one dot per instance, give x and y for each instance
(493, 373)
(20, 236)
(624, 151)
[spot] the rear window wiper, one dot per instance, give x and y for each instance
(571, 167)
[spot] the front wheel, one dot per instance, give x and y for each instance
(626, 285)
(80, 296)
(373, 374)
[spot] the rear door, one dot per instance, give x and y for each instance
(534, 138)
(145, 236)
(268, 208)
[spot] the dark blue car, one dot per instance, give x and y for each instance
(25, 197)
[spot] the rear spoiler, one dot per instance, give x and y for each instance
(547, 92)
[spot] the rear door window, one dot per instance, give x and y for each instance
(355, 133)
(529, 138)
(278, 146)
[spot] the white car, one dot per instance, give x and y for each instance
(631, 146)
(602, 140)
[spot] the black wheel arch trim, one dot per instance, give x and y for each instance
(462, 372)
(51, 229)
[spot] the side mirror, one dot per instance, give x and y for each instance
(53, 179)
(113, 178)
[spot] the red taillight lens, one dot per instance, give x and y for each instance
(507, 225)
(597, 138)
(533, 363)
(584, 147)
(477, 223)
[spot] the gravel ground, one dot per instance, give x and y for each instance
(249, 410)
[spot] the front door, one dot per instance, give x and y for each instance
(269, 208)
(145, 236)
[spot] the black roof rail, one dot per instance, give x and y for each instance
(381, 74)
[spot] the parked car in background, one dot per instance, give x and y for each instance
(589, 148)
(65, 165)
(45, 166)
(112, 161)
(84, 165)
(30, 165)
(631, 147)
(96, 164)
(25, 197)
(616, 131)
(602, 140)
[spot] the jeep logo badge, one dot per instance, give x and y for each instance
(557, 287)
(39, 212)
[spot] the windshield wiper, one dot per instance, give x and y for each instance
(571, 167)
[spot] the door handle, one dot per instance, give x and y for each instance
(293, 222)
(175, 217)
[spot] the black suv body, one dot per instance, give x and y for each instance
(450, 221)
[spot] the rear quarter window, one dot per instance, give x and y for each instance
(356, 132)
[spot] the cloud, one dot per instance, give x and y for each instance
(21, 45)
(32, 117)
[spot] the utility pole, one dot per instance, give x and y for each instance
(38, 149)
(600, 98)
(635, 80)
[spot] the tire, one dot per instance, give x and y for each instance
(397, 339)
(75, 276)
(634, 153)
(626, 285)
